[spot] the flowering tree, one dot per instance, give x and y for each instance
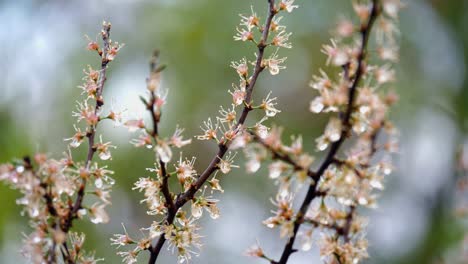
(336, 186)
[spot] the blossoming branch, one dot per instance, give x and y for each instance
(172, 223)
(336, 187)
(54, 190)
(339, 185)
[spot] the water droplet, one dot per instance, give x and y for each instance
(36, 239)
(96, 220)
(225, 167)
(110, 180)
(253, 165)
(214, 214)
(20, 169)
(322, 145)
(306, 244)
(98, 183)
(270, 113)
(376, 184)
(104, 155)
(363, 201)
(34, 212)
(335, 136)
(197, 211)
(82, 212)
(360, 127)
(22, 201)
(364, 109)
(387, 170)
(275, 170)
(316, 106)
(284, 192)
(164, 152)
(75, 143)
(262, 131)
(275, 173)
(344, 201)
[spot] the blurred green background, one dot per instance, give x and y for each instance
(43, 54)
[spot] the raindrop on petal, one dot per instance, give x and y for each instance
(98, 183)
(164, 152)
(316, 106)
(197, 211)
(104, 155)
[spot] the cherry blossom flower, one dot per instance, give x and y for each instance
(287, 5)
(268, 105)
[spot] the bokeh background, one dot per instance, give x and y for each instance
(43, 53)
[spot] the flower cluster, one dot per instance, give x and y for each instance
(228, 130)
(149, 138)
(345, 180)
(181, 231)
(53, 190)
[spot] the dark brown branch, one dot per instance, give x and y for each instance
(331, 226)
(349, 222)
(65, 252)
(223, 146)
(156, 117)
(91, 133)
(329, 159)
(155, 250)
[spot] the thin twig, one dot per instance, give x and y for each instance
(283, 157)
(91, 134)
(352, 209)
(331, 226)
(156, 117)
(51, 256)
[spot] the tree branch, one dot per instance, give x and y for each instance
(156, 117)
(283, 157)
(91, 133)
(223, 146)
(312, 191)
